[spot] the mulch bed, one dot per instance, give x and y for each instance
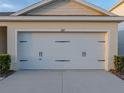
(120, 75)
(8, 74)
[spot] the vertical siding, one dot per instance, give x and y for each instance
(3, 40)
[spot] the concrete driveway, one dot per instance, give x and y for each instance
(62, 81)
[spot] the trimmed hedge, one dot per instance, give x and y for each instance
(5, 61)
(119, 63)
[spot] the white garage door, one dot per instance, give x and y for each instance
(61, 50)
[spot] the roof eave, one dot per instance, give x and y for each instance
(96, 8)
(116, 5)
(45, 2)
(61, 18)
(31, 7)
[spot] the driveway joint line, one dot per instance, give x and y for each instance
(62, 82)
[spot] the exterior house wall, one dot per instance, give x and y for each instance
(91, 26)
(119, 10)
(65, 8)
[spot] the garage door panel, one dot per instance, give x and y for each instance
(101, 47)
(24, 49)
(63, 51)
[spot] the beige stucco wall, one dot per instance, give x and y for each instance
(111, 26)
(65, 8)
(119, 10)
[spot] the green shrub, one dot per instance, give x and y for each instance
(5, 61)
(119, 63)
